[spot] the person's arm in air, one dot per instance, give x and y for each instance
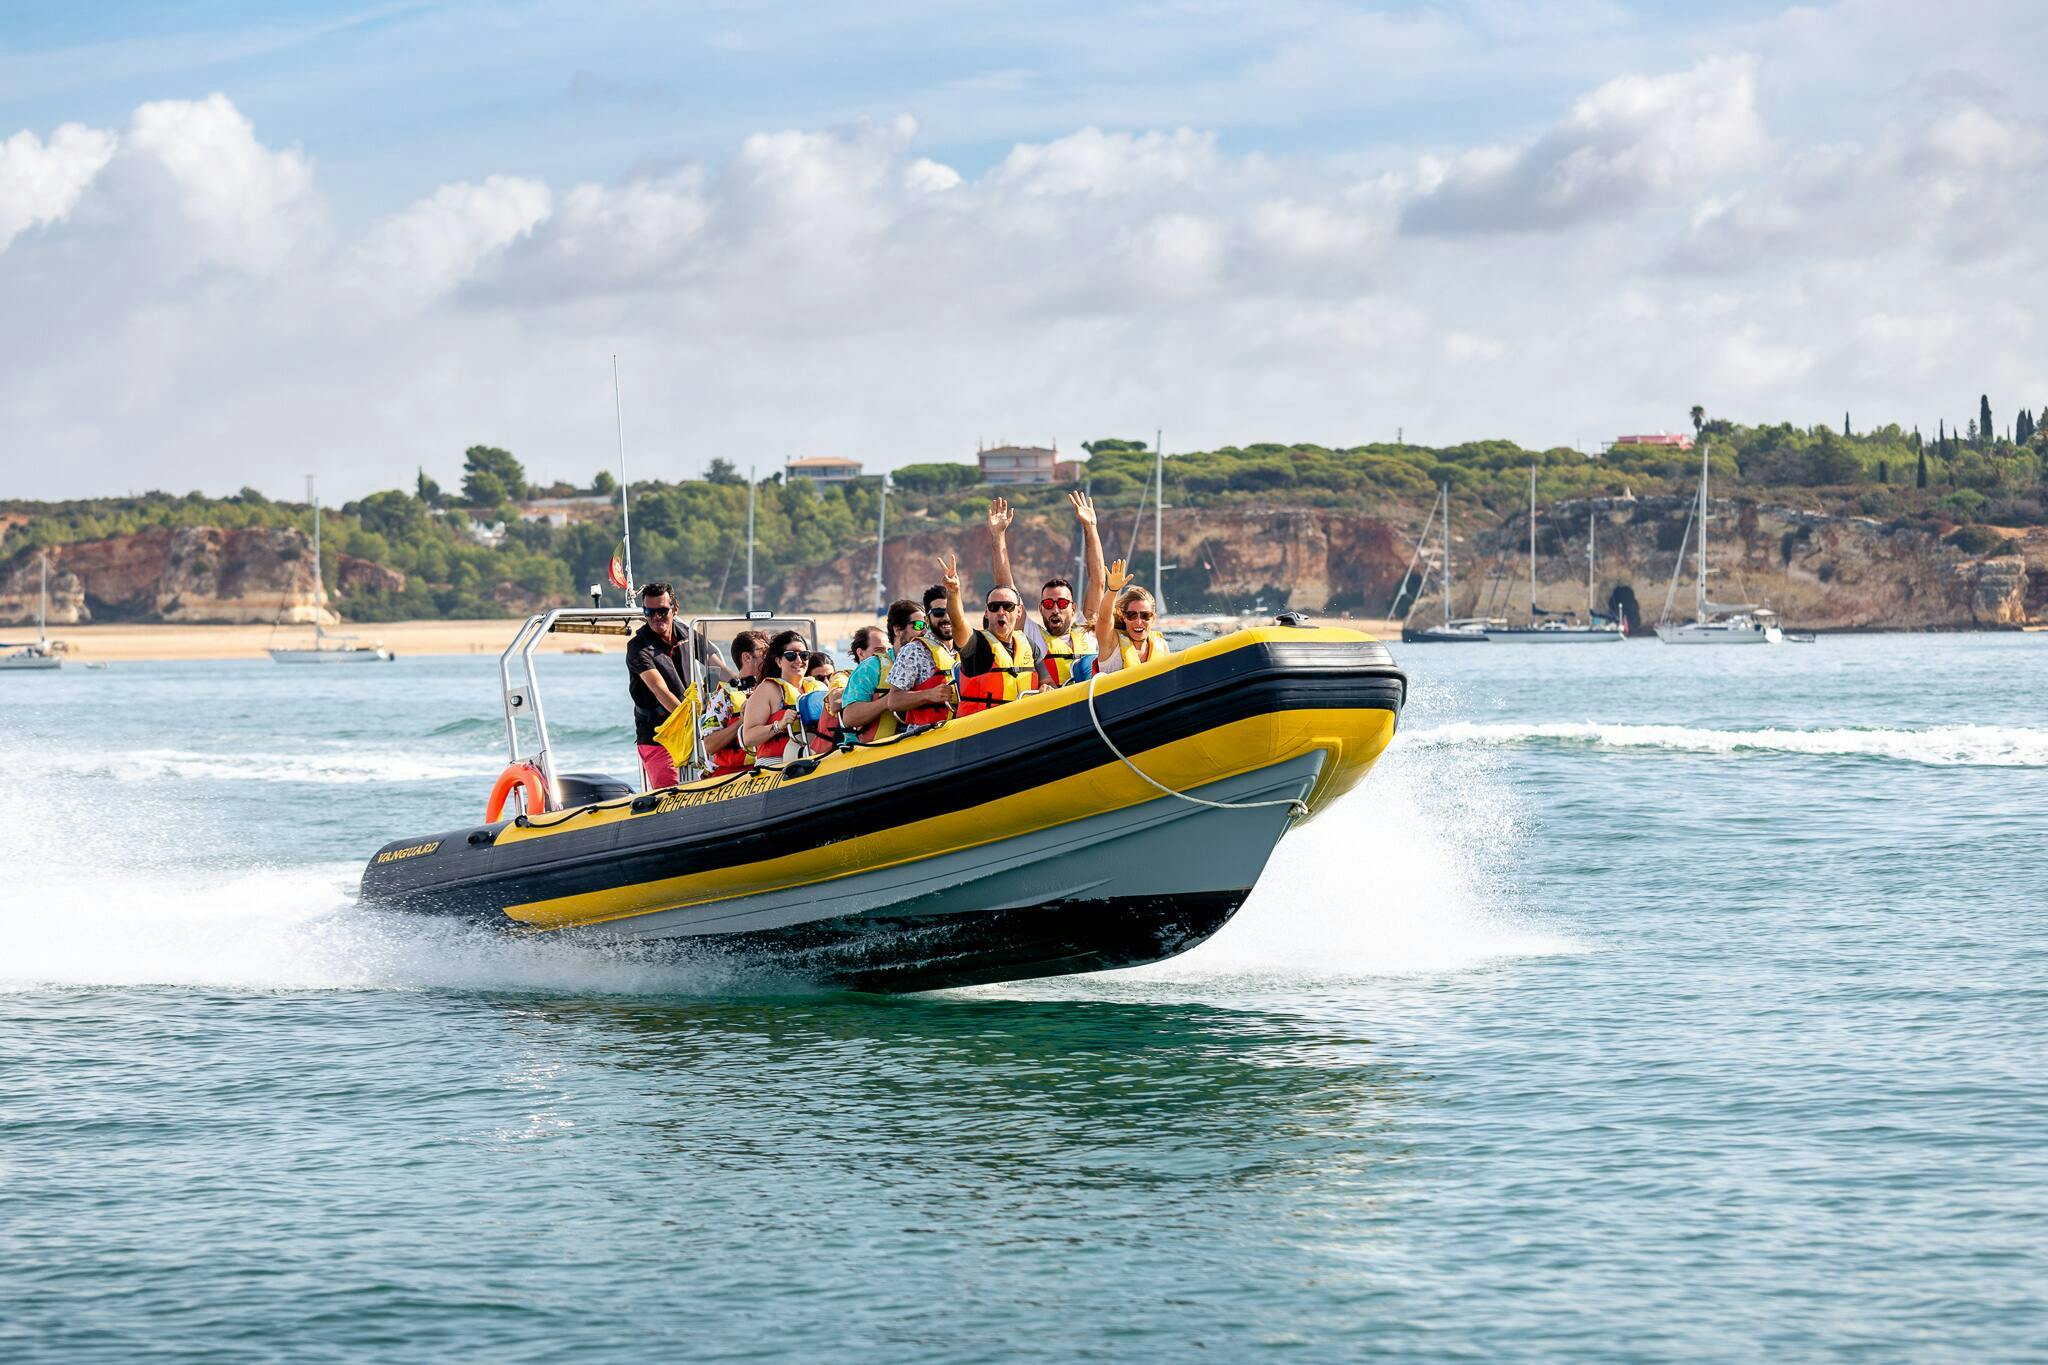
(999, 518)
(949, 574)
(1084, 512)
(1114, 582)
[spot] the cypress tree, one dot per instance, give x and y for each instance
(1984, 427)
(1884, 472)
(1845, 424)
(1920, 476)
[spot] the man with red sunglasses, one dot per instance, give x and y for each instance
(1063, 648)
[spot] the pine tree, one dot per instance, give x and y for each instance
(1985, 430)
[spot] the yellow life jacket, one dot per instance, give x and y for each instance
(1127, 652)
(1010, 677)
(1062, 651)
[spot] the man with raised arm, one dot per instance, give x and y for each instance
(996, 665)
(1063, 648)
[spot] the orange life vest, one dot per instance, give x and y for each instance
(1008, 678)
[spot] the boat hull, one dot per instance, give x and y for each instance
(1005, 845)
(330, 656)
(29, 664)
(1555, 637)
(1720, 635)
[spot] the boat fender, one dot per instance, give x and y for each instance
(527, 778)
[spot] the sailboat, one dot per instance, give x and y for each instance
(34, 654)
(326, 648)
(1713, 623)
(1463, 632)
(1557, 628)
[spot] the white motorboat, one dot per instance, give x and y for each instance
(1559, 628)
(1713, 623)
(326, 648)
(35, 655)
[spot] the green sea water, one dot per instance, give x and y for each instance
(1645, 1003)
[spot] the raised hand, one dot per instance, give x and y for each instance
(949, 571)
(1119, 577)
(1084, 507)
(1000, 516)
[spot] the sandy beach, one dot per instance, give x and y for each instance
(131, 642)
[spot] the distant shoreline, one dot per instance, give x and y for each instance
(164, 642)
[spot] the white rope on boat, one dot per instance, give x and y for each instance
(1300, 806)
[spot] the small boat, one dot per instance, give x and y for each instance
(1089, 827)
(1713, 623)
(1468, 630)
(34, 656)
(326, 648)
(1555, 627)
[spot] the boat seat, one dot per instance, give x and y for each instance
(587, 789)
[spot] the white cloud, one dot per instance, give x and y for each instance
(39, 182)
(249, 204)
(1633, 137)
(443, 240)
(1097, 164)
(925, 176)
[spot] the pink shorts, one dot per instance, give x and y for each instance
(658, 766)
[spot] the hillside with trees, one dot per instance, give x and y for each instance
(1972, 486)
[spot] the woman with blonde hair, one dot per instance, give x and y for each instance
(1124, 615)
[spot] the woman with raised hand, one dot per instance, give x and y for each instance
(1124, 616)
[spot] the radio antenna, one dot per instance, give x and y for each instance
(625, 488)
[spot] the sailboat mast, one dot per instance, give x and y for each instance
(43, 604)
(1532, 542)
(1447, 553)
(1592, 532)
(319, 577)
(1699, 609)
(881, 532)
(750, 540)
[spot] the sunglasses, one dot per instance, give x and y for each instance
(919, 625)
(1055, 603)
(1137, 615)
(656, 611)
(1004, 606)
(792, 655)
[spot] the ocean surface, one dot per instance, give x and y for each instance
(1645, 1003)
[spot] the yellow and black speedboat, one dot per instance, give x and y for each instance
(1100, 825)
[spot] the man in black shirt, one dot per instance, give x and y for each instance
(657, 664)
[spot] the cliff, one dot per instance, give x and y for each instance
(191, 574)
(1819, 572)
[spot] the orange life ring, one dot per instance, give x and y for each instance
(528, 779)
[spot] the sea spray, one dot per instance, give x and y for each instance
(1990, 746)
(1412, 872)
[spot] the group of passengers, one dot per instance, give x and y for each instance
(779, 697)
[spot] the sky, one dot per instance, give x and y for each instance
(244, 242)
